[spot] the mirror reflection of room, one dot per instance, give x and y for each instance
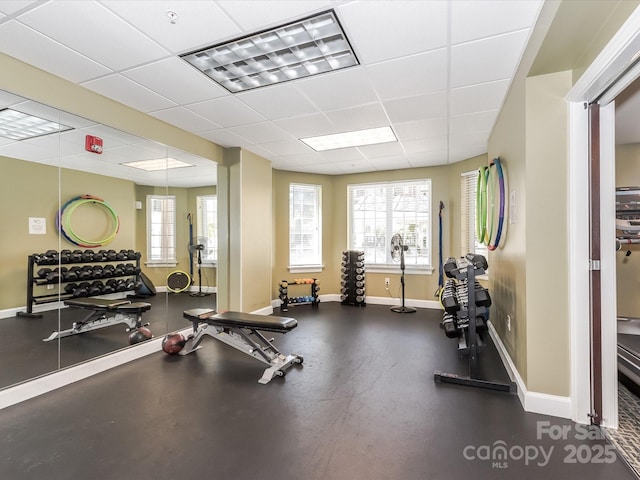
(99, 218)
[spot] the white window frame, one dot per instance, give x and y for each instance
(168, 235)
(310, 263)
(468, 229)
(207, 227)
(356, 239)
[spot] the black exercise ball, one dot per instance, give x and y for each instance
(173, 343)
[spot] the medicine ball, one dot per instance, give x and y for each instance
(139, 335)
(173, 343)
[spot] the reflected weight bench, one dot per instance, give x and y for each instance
(103, 313)
(242, 332)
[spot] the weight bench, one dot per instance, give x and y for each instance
(242, 332)
(103, 313)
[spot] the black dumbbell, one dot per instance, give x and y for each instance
(100, 256)
(70, 287)
(95, 288)
(119, 270)
(111, 255)
(121, 286)
(97, 271)
(87, 256)
(121, 255)
(43, 272)
(65, 256)
(71, 274)
(132, 255)
(85, 272)
(76, 256)
(53, 276)
(108, 271)
(50, 257)
(82, 290)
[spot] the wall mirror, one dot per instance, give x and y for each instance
(60, 195)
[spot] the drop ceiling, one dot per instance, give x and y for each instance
(437, 72)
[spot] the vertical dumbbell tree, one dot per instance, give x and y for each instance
(352, 282)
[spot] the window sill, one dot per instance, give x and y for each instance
(160, 264)
(424, 270)
(305, 268)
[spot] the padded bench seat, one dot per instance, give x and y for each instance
(241, 320)
(121, 305)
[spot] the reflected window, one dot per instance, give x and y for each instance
(468, 227)
(305, 228)
(377, 211)
(161, 229)
(207, 227)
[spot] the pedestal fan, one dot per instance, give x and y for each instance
(397, 254)
(197, 249)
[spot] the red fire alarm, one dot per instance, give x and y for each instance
(93, 144)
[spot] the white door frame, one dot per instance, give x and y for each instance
(611, 67)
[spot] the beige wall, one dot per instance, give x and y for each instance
(628, 267)
(31, 190)
(547, 279)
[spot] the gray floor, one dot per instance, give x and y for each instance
(363, 406)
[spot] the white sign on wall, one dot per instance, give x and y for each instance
(37, 226)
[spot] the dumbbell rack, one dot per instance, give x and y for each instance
(34, 282)
(352, 283)
(466, 315)
(287, 300)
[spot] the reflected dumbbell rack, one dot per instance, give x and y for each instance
(352, 281)
(84, 274)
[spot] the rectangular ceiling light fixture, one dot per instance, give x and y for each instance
(21, 126)
(299, 49)
(157, 164)
(358, 138)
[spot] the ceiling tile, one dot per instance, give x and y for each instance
(277, 101)
(262, 132)
(341, 89)
(410, 76)
(460, 152)
(429, 128)
(421, 107)
(390, 163)
(389, 29)
(199, 23)
(473, 122)
(176, 80)
(307, 125)
(94, 31)
(425, 145)
(478, 98)
(355, 166)
(495, 58)
(185, 119)
(341, 155)
(128, 92)
(9, 7)
(381, 150)
(428, 159)
(358, 118)
(471, 20)
(227, 111)
(252, 15)
(262, 152)
(286, 147)
(46, 54)
(225, 138)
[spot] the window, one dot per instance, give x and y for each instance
(377, 211)
(161, 229)
(469, 237)
(206, 227)
(305, 225)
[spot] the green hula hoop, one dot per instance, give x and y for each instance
(78, 240)
(481, 205)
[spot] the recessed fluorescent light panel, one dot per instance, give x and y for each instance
(300, 49)
(358, 138)
(158, 164)
(20, 126)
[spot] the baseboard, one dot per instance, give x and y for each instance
(334, 297)
(52, 381)
(534, 402)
